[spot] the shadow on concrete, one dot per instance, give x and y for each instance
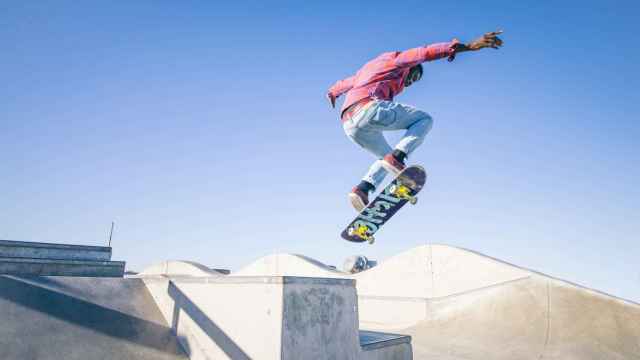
(217, 335)
(50, 283)
(36, 317)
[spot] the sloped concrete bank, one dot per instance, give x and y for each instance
(82, 318)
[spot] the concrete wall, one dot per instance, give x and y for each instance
(320, 319)
(260, 317)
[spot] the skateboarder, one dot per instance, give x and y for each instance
(369, 109)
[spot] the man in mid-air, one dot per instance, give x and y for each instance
(369, 109)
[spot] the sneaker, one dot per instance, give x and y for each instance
(392, 165)
(358, 198)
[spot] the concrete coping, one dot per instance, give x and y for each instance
(371, 340)
(251, 280)
(30, 244)
(62, 262)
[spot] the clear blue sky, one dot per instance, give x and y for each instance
(200, 127)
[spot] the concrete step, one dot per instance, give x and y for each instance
(38, 250)
(370, 340)
(55, 267)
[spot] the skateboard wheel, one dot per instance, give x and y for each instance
(350, 231)
(371, 240)
(392, 188)
(413, 201)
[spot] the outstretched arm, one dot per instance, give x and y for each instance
(421, 54)
(339, 88)
(431, 52)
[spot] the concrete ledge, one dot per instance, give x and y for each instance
(43, 267)
(371, 340)
(249, 280)
(38, 250)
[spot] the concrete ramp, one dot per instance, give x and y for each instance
(289, 265)
(179, 268)
(458, 304)
(424, 271)
(533, 318)
(82, 318)
(430, 271)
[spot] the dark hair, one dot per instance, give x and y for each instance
(417, 68)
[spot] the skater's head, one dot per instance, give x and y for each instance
(415, 74)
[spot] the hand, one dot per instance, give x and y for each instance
(332, 100)
(489, 39)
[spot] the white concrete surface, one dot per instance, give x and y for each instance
(533, 318)
(289, 265)
(458, 304)
(267, 317)
(320, 321)
(425, 271)
(172, 268)
(225, 319)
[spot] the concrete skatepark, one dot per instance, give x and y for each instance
(458, 304)
(429, 302)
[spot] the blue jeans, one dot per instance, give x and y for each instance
(366, 126)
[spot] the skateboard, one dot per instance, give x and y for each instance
(401, 190)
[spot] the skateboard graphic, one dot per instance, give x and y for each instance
(400, 190)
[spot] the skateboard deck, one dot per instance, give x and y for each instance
(401, 190)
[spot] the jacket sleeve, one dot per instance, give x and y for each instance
(421, 54)
(341, 86)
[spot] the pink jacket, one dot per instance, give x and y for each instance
(383, 77)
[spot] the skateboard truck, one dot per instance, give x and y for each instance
(403, 192)
(361, 232)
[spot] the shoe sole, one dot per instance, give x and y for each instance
(356, 202)
(390, 168)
